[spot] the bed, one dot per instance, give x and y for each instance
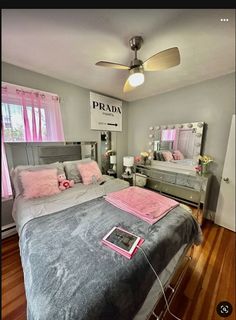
(69, 274)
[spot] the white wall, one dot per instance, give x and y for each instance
(211, 101)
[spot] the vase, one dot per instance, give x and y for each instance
(204, 168)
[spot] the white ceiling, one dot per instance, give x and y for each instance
(66, 44)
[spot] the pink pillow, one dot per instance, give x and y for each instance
(89, 172)
(39, 183)
(167, 155)
(178, 155)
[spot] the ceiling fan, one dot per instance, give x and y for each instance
(159, 61)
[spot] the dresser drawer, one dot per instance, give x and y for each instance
(162, 176)
(158, 175)
(155, 185)
(186, 194)
(191, 188)
(188, 181)
(143, 171)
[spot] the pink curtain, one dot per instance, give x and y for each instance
(6, 184)
(40, 112)
(30, 116)
(176, 141)
(168, 135)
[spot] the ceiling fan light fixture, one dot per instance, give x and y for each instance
(159, 61)
(136, 77)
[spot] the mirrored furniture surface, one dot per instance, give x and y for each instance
(128, 177)
(189, 189)
(34, 153)
(105, 148)
(185, 138)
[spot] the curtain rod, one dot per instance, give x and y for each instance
(19, 87)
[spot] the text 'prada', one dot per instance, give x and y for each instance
(106, 107)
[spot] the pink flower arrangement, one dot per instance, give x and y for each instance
(198, 169)
(137, 159)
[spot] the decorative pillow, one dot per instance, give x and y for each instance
(178, 155)
(90, 172)
(40, 183)
(15, 174)
(71, 169)
(167, 155)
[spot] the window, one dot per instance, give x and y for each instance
(28, 115)
(13, 122)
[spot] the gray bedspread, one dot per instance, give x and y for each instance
(70, 275)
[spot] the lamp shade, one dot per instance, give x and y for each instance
(128, 161)
(113, 159)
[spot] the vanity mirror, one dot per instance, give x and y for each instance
(176, 143)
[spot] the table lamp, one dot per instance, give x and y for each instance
(113, 161)
(128, 162)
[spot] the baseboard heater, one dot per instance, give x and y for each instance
(8, 230)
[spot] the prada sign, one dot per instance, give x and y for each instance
(106, 113)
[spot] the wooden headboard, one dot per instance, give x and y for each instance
(24, 153)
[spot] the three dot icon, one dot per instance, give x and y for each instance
(224, 19)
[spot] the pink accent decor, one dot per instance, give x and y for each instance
(64, 183)
(35, 104)
(168, 134)
(89, 172)
(145, 204)
(167, 155)
(6, 183)
(120, 250)
(178, 155)
(39, 183)
(123, 252)
(176, 141)
(35, 107)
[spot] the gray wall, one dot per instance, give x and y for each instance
(75, 107)
(211, 101)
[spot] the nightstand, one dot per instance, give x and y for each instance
(111, 173)
(128, 178)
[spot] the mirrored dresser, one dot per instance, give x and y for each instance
(190, 189)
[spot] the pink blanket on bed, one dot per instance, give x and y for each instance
(145, 204)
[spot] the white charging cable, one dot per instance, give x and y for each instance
(167, 305)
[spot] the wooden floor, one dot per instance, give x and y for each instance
(209, 278)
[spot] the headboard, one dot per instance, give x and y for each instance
(33, 153)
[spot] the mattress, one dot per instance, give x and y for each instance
(25, 210)
(56, 227)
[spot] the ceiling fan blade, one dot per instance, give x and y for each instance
(127, 87)
(163, 60)
(112, 65)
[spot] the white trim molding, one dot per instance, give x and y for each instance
(8, 230)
